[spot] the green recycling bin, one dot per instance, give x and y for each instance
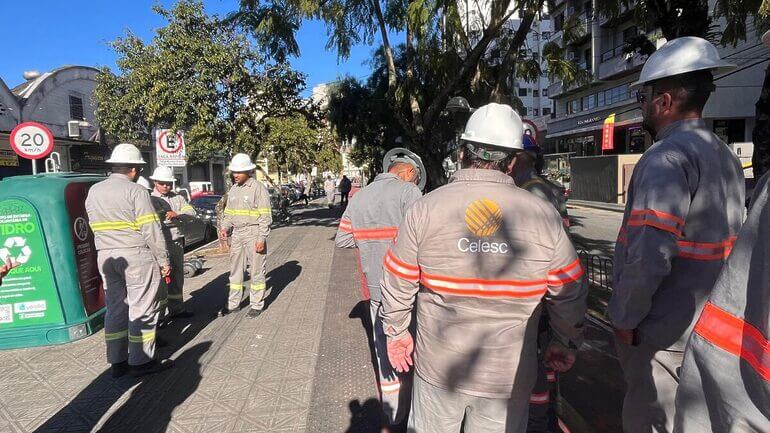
(55, 295)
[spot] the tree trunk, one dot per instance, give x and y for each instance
(434, 165)
(761, 135)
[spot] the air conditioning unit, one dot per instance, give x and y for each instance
(73, 128)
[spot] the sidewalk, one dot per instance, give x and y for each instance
(303, 366)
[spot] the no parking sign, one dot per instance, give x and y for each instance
(169, 148)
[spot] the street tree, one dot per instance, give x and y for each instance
(442, 55)
(200, 75)
(293, 145)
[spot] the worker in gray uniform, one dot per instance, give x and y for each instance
(163, 180)
(248, 215)
(527, 173)
(370, 223)
(132, 257)
(684, 208)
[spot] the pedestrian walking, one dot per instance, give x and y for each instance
(345, 187)
(684, 209)
(303, 191)
(329, 188)
(163, 180)
(370, 224)
(475, 258)
(248, 215)
(725, 378)
(132, 257)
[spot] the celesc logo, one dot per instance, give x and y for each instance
(483, 218)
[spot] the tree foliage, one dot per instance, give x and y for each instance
(293, 145)
(201, 75)
(443, 55)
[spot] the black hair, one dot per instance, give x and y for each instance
(692, 90)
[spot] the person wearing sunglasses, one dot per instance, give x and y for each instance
(684, 208)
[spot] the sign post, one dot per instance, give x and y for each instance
(33, 141)
(170, 148)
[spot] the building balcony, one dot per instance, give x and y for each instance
(625, 14)
(580, 31)
(555, 89)
(615, 63)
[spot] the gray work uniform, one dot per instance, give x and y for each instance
(248, 214)
(685, 206)
(130, 248)
(370, 223)
(725, 379)
(475, 258)
(542, 403)
(172, 294)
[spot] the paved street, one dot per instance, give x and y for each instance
(303, 366)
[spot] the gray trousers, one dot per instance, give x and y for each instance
(174, 291)
(243, 252)
(395, 388)
(131, 279)
(652, 377)
(436, 410)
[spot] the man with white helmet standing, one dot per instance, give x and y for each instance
(249, 216)
(476, 257)
(132, 257)
(163, 180)
(685, 206)
(725, 378)
(370, 224)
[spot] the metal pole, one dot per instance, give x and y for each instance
(34, 167)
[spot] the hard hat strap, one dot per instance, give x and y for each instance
(485, 154)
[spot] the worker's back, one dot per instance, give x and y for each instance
(372, 218)
(485, 253)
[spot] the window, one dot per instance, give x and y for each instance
(600, 97)
(558, 22)
(523, 91)
(546, 36)
(545, 92)
(524, 111)
(629, 34)
(535, 93)
(76, 108)
(535, 56)
(546, 111)
(731, 130)
(589, 10)
(535, 112)
(574, 106)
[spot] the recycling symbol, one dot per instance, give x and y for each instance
(15, 242)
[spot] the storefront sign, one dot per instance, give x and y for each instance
(608, 133)
(89, 158)
(8, 158)
(28, 295)
(582, 122)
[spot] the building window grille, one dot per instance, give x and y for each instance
(76, 108)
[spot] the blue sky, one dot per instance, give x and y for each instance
(59, 32)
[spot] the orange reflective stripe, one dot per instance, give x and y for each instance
(540, 398)
(735, 336)
(383, 233)
(550, 376)
(401, 269)
(622, 236)
(390, 387)
(657, 219)
(477, 287)
(346, 226)
(706, 250)
(567, 274)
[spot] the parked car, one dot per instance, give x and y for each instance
(206, 205)
(195, 228)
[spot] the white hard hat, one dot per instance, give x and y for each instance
(495, 125)
(399, 154)
(126, 153)
(143, 182)
(241, 162)
(766, 38)
(680, 56)
(163, 174)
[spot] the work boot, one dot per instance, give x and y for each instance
(224, 312)
(253, 313)
(119, 369)
(151, 367)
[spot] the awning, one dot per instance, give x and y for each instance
(594, 127)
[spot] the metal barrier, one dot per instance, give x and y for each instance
(598, 269)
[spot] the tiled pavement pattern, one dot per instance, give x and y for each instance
(300, 367)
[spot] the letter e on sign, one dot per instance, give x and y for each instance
(31, 140)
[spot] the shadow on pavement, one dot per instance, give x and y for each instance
(151, 404)
(364, 418)
(320, 216)
(279, 278)
(84, 410)
(361, 311)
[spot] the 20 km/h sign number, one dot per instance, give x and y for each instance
(31, 140)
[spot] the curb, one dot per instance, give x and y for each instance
(598, 205)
